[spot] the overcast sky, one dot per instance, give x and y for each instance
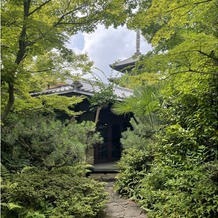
(105, 46)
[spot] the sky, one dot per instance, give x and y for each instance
(105, 46)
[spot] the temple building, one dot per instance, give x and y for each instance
(110, 125)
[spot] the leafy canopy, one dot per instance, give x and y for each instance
(183, 36)
(34, 36)
(167, 175)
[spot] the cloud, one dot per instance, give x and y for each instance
(76, 42)
(105, 46)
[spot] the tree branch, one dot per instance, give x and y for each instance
(22, 38)
(201, 72)
(189, 71)
(57, 23)
(182, 6)
(67, 13)
(201, 2)
(211, 55)
(54, 69)
(38, 8)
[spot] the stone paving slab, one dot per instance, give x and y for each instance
(119, 207)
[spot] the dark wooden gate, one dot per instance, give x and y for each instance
(110, 149)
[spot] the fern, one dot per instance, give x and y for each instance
(5, 174)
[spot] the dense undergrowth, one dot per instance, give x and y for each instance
(57, 193)
(44, 169)
(175, 174)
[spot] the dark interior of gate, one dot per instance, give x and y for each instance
(111, 127)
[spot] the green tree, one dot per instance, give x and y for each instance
(185, 157)
(103, 96)
(137, 79)
(44, 167)
(42, 141)
(183, 36)
(34, 34)
(167, 174)
(182, 177)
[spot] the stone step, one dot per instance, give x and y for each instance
(103, 177)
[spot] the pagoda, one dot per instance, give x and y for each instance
(126, 66)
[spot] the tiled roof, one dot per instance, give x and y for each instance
(84, 88)
(126, 64)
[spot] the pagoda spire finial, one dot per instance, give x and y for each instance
(137, 43)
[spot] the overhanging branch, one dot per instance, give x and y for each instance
(38, 8)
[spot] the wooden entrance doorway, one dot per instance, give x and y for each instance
(111, 127)
(110, 149)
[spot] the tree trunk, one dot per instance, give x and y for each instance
(10, 101)
(20, 56)
(97, 115)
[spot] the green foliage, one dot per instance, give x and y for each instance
(144, 103)
(162, 21)
(183, 37)
(47, 104)
(57, 193)
(141, 135)
(103, 96)
(34, 35)
(181, 191)
(133, 166)
(135, 80)
(182, 176)
(38, 140)
(137, 157)
(47, 159)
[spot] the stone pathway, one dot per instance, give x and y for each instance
(119, 207)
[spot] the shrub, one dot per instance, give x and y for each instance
(186, 191)
(136, 159)
(44, 141)
(182, 178)
(58, 193)
(133, 166)
(47, 158)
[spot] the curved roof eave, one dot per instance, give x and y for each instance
(126, 64)
(86, 89)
